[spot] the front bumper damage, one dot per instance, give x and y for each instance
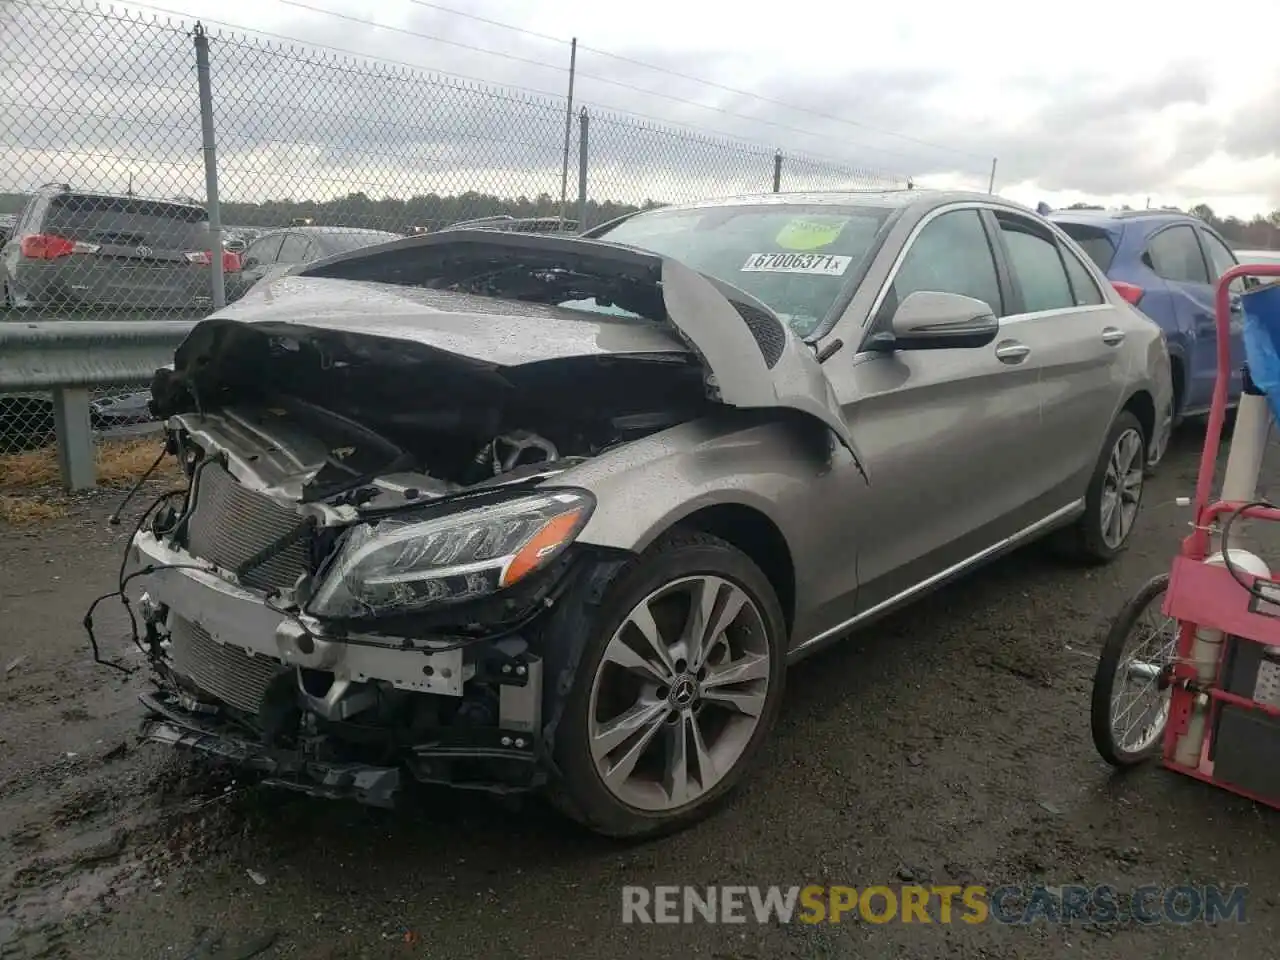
(170, 723)
(243, 680)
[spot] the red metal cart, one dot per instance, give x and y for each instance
(1198, 648)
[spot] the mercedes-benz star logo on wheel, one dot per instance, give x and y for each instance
(683, 692)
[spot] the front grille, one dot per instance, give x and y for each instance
(231, 523)
(228, 673)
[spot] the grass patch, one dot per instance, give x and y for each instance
(20, 510)
(119, 463)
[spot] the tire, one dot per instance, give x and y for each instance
(1089, 539)
(1104, 679)
(637, 805)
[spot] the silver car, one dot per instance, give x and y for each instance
(522, 512)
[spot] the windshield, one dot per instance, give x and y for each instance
(795, 258)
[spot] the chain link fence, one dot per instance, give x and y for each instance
(103, 179)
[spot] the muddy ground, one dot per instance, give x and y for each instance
(948, 744)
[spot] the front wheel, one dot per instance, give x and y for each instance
(678, 686)
(1131, 684)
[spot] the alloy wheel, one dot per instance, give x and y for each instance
(679, 692)
(1122, 488)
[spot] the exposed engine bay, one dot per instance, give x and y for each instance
(384, 403)
(311, 452)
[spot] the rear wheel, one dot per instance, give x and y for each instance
(1114, 495)
(677, 688)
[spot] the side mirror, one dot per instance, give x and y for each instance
(929, 320)
(248, 263)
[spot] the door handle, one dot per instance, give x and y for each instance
(1011, 351)
(1112, 336)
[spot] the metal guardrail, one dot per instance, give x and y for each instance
(71, 357)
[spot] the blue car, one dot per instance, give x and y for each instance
(1166, 263)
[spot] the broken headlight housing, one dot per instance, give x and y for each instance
(407, 562)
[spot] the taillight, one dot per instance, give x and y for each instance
(230, 261)
(47, 246)
(1131, 292)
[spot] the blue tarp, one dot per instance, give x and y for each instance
(1262, 341)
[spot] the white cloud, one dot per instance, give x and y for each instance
(1101, 101)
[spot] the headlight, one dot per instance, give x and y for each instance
(404, 563)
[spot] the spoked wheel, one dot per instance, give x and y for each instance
(1131, 686)
(675, 693)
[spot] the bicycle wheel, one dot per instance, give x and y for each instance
(1131, 685)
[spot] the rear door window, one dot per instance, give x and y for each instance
(1223, 259)
(264, 251)
(1037, 265)
(1174, 254)
(1083, 287)
(294, 249)
(128, 222)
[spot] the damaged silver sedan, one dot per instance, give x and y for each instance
(541, 513)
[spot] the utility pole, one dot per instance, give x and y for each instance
(991, 183)
(568, 133)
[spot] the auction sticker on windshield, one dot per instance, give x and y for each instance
(822, 264)
(804, 235)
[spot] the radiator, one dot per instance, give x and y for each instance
(231, 523)
(229, 673)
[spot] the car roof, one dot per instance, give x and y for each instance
(890, 199)
(313, 229)
(63, 189)
(1113, 216)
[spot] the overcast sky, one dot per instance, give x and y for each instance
(1113, 101)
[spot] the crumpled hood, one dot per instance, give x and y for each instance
(502, 332)
(396, 291)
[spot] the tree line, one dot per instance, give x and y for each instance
(433, 211)
(427, 212)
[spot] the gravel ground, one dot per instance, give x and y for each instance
(947, 744)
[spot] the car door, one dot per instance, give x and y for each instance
(1221, 259)
(1174, 254)
(1061, 316)
(942, 431)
